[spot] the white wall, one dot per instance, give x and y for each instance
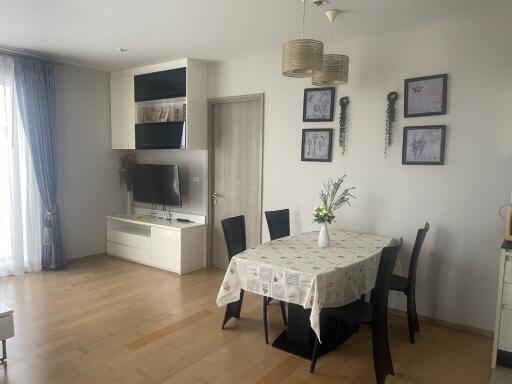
(88, 185)
(457, 276)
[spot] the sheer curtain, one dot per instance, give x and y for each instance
(20, 202)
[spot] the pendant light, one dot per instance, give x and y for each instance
(302, 56)
(334, 69)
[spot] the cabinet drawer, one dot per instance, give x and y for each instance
(135, 254)
(166, 249)
(505, 336)
(507, 294)
(6, 327)
(130, 239)
(508, 270)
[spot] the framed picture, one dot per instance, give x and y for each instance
(316, 144)
(424, 145)
(425, 96)
(318, 104)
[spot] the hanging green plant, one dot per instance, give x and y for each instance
(344, 102)
(390, 119)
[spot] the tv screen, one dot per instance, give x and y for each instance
(156, 184)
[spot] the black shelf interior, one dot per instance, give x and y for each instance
(161, 85)
(162, 135)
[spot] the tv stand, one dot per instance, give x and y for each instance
(158, 242)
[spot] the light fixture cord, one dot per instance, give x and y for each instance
(332, 27)
(303, 17)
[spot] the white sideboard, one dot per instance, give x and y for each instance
(6, 328)
(166, 244)
(502, 349)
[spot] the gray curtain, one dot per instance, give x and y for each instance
(35, 88)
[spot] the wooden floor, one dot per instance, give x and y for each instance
(105, 320)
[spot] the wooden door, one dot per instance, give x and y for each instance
(236, 140)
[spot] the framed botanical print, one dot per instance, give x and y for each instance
(425, 96)
(424, 145)
(318, 104)
(316, 144)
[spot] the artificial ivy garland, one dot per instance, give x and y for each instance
(390, 118)
(344, 102)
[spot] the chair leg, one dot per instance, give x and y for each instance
(4, 351)
(315, 356)
(265, 305)
(416, 317)
(240, 304)
(283, 312)
(411, 316)
(382, 362)
(233, 310)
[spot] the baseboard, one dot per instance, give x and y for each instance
(78, 258)
(446, 324)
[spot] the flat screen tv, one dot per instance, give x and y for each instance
(156, 184)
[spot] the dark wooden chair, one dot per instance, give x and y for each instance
(407, 285)
(234, 234)
(374, 313)
(278, 226)
(278, 223)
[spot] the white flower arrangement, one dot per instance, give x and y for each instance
(332, 200)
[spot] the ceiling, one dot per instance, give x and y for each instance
(85, 32)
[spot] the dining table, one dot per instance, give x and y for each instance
(294, 269)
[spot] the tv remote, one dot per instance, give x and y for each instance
(180, 220)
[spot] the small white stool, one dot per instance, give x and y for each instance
(6, 328)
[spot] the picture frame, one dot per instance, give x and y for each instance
(424, 145)
(425, 96)
(318, 104)
(317, 144)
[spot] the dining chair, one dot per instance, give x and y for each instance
(278, 226)
(407, 285)
(374, 313)
(278, 223)
(234, 234)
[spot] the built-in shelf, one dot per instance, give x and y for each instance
(161, 110)
(158, 96)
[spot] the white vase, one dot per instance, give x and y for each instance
(129, 209)
(323, 236)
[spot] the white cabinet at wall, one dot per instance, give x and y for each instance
(502, 350)
(170, 245)
(122, 112)
(124, 109)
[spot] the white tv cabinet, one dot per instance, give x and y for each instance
(157, 242)
(502, 348)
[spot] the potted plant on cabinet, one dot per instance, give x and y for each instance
(125, 173)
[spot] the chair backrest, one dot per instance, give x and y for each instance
(234, 233)
(381, 293)
(380, 339)
(413, 264)
(278, 223)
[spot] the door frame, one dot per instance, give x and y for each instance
(260, 98)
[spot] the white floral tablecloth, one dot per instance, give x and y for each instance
(296, 270)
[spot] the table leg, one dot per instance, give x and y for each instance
(233, 309)
(299, 338)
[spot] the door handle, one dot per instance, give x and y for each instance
(215, 194)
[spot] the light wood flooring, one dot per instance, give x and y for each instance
(104, 320)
